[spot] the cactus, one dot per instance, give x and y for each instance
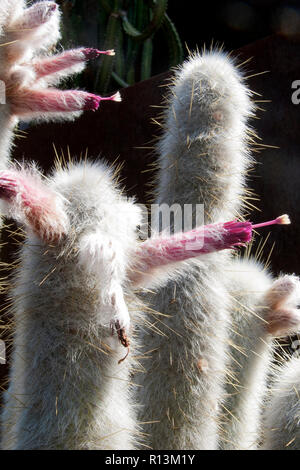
(77, 295)
(74, 392)
(222, 313)
(128, 27)
(203, 155)
(69, 383)
(262, 308)
(282, 413)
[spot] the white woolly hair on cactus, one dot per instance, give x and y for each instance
(262, 308)
(203, 154)
(81, 235)
(282, 412)
(30, 72)
(9, 10)
(68, 295)
(207, 116)
(80, 266)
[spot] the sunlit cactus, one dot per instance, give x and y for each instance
(90, 297)
(202, 155)
(282, 412)
(205, 376)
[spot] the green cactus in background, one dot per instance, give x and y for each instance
(129, 27)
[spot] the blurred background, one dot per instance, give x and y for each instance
(150, 36)
(235, 23)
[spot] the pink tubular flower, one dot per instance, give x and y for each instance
(33, 203)
(160, 251)
(58, 63)
(31, 72)
(56, 101)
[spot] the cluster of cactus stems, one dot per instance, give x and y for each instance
(130, 28)
(84, 288)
